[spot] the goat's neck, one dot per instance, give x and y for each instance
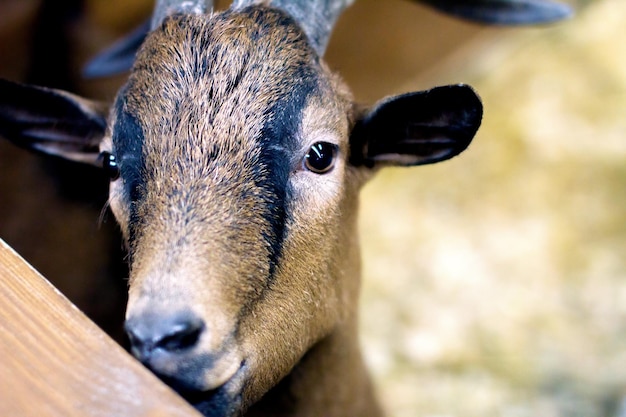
(331, 381)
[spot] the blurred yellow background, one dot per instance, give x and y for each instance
(495, 284)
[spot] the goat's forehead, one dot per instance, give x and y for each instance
(222, 65)
(224, 78)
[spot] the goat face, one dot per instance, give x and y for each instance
(231, 139)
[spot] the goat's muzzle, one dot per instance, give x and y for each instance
(174, 346)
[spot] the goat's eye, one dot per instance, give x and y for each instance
(110, 166)
(321, 157)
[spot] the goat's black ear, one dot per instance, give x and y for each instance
(51, 121)
(417, 128)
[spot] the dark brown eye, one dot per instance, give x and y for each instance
(321, 157)
(110, 166)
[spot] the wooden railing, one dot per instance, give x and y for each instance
(55, 362)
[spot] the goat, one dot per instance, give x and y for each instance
(236, 157)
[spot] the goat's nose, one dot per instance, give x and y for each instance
(151, 332)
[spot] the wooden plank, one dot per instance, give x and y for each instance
(55, 362)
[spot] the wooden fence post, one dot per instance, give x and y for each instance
(55, 362)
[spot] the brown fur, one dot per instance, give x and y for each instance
(197, 241)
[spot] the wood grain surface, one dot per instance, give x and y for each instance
(55, 362)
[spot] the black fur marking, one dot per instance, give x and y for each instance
(216, 403)
(278, 141)
(128, 139)
(129, 154)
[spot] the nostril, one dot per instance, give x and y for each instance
(183, 336)
(152, 331)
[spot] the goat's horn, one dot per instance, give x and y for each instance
(165, 8)
(316, 17)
